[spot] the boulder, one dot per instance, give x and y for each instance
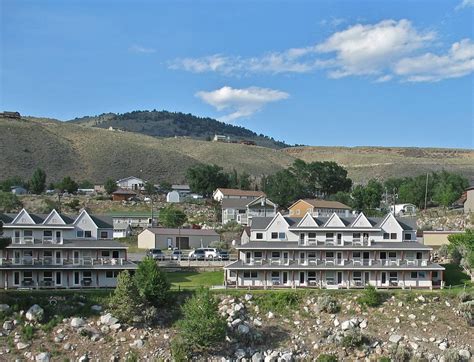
(21, 345)
(248, 297)
(257, 357)
(77, 322)
(464, 354)
(243, 329)
(138, 343)
(236, 322)
(443, 346)
(257, 322)
(96, 308)
(395, 338)
(35, 313)
(347, 325)
(8, 325)
(84, 358)
(43, 357)
(4, 308)
(286, 357)
(363, 324)
(108, 319)
(270, 315)
(412, 317)
(336, 322)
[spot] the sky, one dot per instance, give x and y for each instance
(330, 73)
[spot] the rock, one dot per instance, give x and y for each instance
(432, 339)
(96, 308)
(464, 354)
(236, 322)
(270, 315)
(395, 338)
(8, 325)
(421, 299)
(35, 313)
(347, 325)
(286, 357)
(115, 327)
(67, 346)
(84, 358)
(4, 308)
(238, 307)
(447, 303)
(412, 317)
(77, 322)
(21, 345)
(443, 346)
(138, 343)
(363, 324)
(105, 329)
(108, 319)
(336, 323)
(240, 353)
(248, 297)
(397, 320)
(257, 357)
(414, 346)
(43, 357)
(257, 322)
(243, 329)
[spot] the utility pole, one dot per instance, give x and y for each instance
(426, 189)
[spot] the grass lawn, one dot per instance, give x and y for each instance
(455, 276)
(191, 280)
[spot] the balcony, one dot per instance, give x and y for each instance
(30, 240)
(51, 261)
(334, 242)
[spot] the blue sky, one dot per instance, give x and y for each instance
(348, 73)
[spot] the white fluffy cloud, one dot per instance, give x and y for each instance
(385, 51)
(371, 49)
(429, 67)
(240, 102)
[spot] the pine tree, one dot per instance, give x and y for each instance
(152, 283)
(126, 301)
(38, 181)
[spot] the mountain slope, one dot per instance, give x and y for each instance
(171, 124)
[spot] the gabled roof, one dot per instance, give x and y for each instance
(53, 215)
(27, 218)
(361, 221)
(128, 178)
(308, 221)
(238, 192)
(323, 204)
(335, 221)
(182, 232)
(262, 223)
(259, 200)
(103, 221)
(234, 203)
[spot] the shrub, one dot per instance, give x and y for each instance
(464, 297)
(278, 302)
(202, 327)
(451, 355)
(467, 311)
(399, 353)
(385, 359)
(326, 358)
(443, 251)
(455, 255)
(352, 338)
(179, 350)
(370, 297)
(152, 283)
(27, 333)
(126, 301)
(328, 304)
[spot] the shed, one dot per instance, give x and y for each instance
(163, 238)
(173, 197)
(18, 190)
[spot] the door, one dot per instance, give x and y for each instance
(16, 256)
(58, 278)
(58, 257)
(75, 256)
(58, 236)
(384, 277)
(16, 278)
(339, 277)
(339, 258)
(17, 236)
(366, 257)
(182, 242)
(339, 239)
(248, 257)
(77, 279)
(366, 277)
(302, 278)
(285, 257)
(285, 278)
(419, 256)
(115, 254)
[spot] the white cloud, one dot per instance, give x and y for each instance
(371, 49)
(140, 49)
(429, 67)
(240, 102)
(465, 4)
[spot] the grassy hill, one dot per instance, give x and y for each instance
(65, 148)
(176, 124)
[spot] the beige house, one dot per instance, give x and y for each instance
(222, 193)
(436, 239)
(163, 238)
(318, 208)
(469, 200)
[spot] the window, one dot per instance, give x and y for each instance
(357, 275)
(297, 212)
(104, 235)
(16, 278)
(312, 254)
(356, 235)
(282, 235)
(48, 276)
(422, 275)
(312, 236)
(275, 275)
(413, 275)
(275, 254)
(435, 274)
(393, 276)
(105, 253)
(76, 277)
(356, 254)
(329, 254)
(392, 254)
(87, 233)
(47, 233)
(87, 275)
(257, 254)
(28, 276)
(58, 278)
(27, 232)
(311, 276)
(259, 236)
(250, 274)
(274, 235)
(386, 236)
(80, 233)
(393, 236)
(302, 237)
(329, 235)
(408, 236)
(111, 274)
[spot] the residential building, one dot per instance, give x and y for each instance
(403, 209)
(183, 190)
(163, 238)
(135, 219)
(60, 251)
(220, 138)
(123, 195)
(438, 238)
(318, 207)
(222, 193)
(243, 210)
(131, 183)
(122, 229)
(468, 200)
(18, 190)
(333, 252)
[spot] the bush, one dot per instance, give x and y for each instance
(370, 297)
(27, 333)
(399, 353)
(282, 303)
(328, 304)
(464, 297)
(126, 302)
(455, 255)
(202, 327)
(352, 338)
(451, 355)
(179, 350)
(467, 311)
(443, 251)
(152, 283)
(326, 358)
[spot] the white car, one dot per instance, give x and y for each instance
(209, 253)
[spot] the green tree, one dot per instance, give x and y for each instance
(204, 179)
(413, 190)
(152, 283)
(150, 188)
(202, 326)
(165, 186)
(38, 181)
(126, 302)
(342, 196)
(86, 184)
(448, 187)
(244, 181)
(172, 217)
(67, 185)
(283, 188)
(8, 202)
(463, 244)
(7, 184)
(110, 186)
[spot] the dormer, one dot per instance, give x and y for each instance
(54, 219)
(308, 222)
(361, 221)
(23, 218)
(392, 230)
(85, 226)
(334, 221)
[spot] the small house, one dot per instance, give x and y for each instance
(163, 238)
(131, 183)
(122, 229)
(318, 208)
(242, 210)
(403, 209)
(18, 190)
(123, 195)
(223, 193)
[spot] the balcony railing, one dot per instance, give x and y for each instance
(30, 240)
(334, 242)
(334, 262)
(63, 261)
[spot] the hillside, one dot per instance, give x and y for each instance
(170, 124)
(364, 163)
(65, 148)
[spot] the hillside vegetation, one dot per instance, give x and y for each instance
(82, 152)
(171, 124)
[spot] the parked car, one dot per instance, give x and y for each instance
(156, 254)
(211, 253)
(198, 254)
(223, 255)
(177, 255)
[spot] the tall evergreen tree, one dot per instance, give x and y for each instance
(126, 302)
(38, 181)
(151, 281)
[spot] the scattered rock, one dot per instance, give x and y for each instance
(270, 315)
(96, 308)
(248, 297)
(22, 345)
(108, 319)
(412, 317)
(77, 322)
(43, 357)
(243, 329)
(395, 338)
(8, 325)
(4, 308)
(138, 343)
(35, 313)
(257, 357)
(464, 354)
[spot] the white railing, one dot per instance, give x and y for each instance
(62, 261)
(52, 240)
(23, 240)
